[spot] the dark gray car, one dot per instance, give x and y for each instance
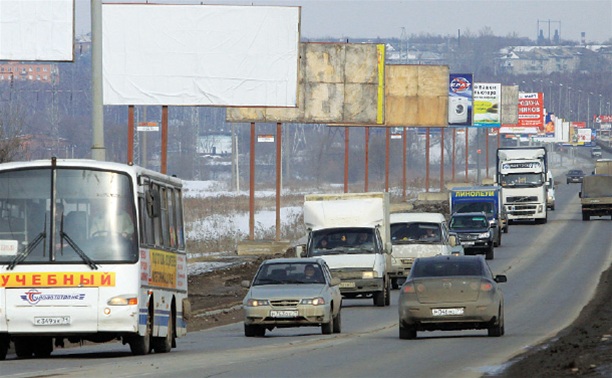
(474, 232)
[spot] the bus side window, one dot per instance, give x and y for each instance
(179, 219)
(157, 221)
(164, 217)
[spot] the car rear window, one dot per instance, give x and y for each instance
(446, 268)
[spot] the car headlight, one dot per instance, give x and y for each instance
(484, 235)
(367, 275)
(257, 302)
(313, 301)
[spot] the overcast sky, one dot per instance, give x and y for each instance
(386, 18)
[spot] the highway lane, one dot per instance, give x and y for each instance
(552, 271)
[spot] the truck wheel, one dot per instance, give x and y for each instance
(394, 284)
(499, 240)
(4, 346)
(387, 294)
(585, 216)
(490, 253)
(506, 228)
(379, 298)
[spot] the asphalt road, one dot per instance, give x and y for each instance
(552, 272)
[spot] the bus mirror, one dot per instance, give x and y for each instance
(153, 205)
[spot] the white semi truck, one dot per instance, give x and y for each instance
(351, 232)
(523, 175)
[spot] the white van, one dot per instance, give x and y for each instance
(418, 235)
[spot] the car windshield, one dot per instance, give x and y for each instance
(574, 173)
(289, 273)
(468, 222)
(471, 207)
(440, 268)
(522, 180)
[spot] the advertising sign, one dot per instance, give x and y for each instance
(460, 99)
(531, 110)
(487, 104)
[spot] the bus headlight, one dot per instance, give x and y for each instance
(367, 275)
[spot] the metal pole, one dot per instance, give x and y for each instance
(164, 141)
(466, 155)
(98, 152)
(441, 159)
(252, 185)
(387, 151)
(404, 164)
(279, 170)
(367, 159)
(427, 160)
(346, 158)
(130, 138)
(453, 155)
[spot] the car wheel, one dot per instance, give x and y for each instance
(497, 329)
(407, 332)
(338, 322)
(394, 284)
(490, 253)
(586, 217)
(254, 330)
(506, 228)
(328, 328)
(23, 347)
(43, 346)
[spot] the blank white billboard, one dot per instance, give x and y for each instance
(160, 54)
(37, 30)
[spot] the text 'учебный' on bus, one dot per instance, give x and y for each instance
(92, 251)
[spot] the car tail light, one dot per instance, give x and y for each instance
(409, 288)
(486, 286)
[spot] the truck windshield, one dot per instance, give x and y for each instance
(343, 241)
(415, 232)
(487, 207)
(522, 180)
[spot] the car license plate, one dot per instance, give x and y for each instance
(468, 243)
(283, 313)
(446, 311)
(51, 320)
(347, 284)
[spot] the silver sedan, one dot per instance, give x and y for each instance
(292, 292)
(451, 293)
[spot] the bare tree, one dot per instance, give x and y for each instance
(11, 126)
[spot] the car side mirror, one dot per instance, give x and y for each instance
(452, 240)
(580, 194)
(501, 278)
(300, 251)
(335, 281)
(245, 284)
(388, 248)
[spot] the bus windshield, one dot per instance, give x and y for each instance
(66, 215)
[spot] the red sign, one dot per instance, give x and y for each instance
(531, 109)
(602, 118)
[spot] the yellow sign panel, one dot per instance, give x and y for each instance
(163, 269)
(57, 279)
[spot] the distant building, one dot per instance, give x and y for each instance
(35, 72)
(522, 60)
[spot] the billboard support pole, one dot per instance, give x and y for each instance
(164, 141)
(441, 159)
(466, 155)
(367, 159)
(346, 158)
(252, 185)
(404, 164)
(387, 151)
(453, 155)
(487, 153)
(279, 175)
(427, 160)
(130, 136)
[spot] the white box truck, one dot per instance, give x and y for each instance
(523, 175)
(350, 231)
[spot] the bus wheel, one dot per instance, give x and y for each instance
(164, 344)
(141, 345)
(23, 347)
(43, 347)
(4, 346)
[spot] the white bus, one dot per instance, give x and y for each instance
(90, 251)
